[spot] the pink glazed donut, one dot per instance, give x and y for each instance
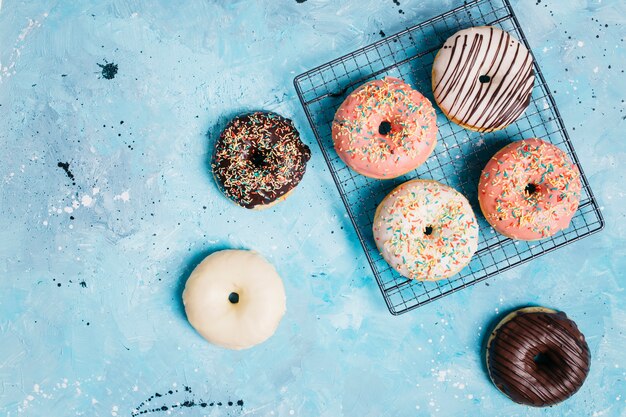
(385, 129)
(529, 190)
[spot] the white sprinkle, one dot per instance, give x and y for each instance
(292, 412)
(60, 248)
(470, 396)
(135, 388)
(68, 210)
(36, 386)
(75, 204)
(94, 401)
(581, 44)
(45, 223)
(95, 190)
(596, 69)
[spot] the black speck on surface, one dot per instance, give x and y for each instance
(382, 34)
(83, 284)
(66, 167)
(109, 70)
(172, 404)
(300, 1)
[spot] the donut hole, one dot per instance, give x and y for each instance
(542, 360)
(233, 297)
(531, 189)
(484, 79)
(428, 230)
(258, 158)
(384, 128)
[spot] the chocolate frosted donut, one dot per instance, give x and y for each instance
(483, 78)
(537, 356)
(259, 158)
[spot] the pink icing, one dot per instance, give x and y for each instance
(358, 138)
(529, 190)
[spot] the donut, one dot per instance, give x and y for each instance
(483, 78)
(259, 159)
(384, 129)
(537, 356)
(234, 299)
(425, 230)
(529, 190)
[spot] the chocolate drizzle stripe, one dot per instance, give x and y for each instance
(468, 101)
(561, 369)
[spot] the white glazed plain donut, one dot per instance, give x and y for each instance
(234, 299)
(483, 78)
(426, 230)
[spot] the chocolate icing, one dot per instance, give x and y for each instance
(538, 358)
(259, 158)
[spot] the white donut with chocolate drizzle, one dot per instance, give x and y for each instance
(483, 78)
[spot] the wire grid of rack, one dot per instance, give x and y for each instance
(458, 158)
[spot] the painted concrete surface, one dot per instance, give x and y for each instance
(108, 111)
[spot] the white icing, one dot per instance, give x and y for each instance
(256, 315)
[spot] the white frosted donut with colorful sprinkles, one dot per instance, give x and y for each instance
(385, 129)
(529, 190)
(426, 230)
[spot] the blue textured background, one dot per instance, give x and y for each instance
(91, 269)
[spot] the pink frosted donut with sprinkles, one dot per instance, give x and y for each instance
(385, 129)
(425, 230)
(529, 190)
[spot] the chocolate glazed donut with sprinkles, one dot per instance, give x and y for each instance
(259, 159)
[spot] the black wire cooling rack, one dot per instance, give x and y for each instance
(458, 158)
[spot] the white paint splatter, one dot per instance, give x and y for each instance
(86, 200)
(125, 196)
